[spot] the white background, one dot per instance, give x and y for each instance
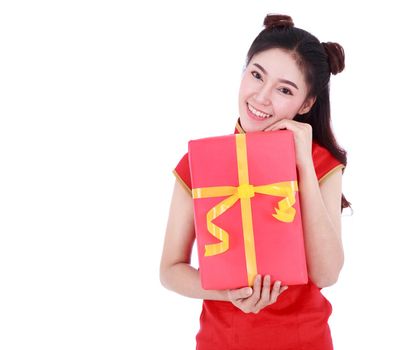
(98, 100)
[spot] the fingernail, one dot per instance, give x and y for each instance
(248, 291)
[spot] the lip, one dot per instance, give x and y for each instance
(254, 116)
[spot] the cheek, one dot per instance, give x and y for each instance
(242, 91)
(246, 87)
(285, 110)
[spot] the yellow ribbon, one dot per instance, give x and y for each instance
(244, 192)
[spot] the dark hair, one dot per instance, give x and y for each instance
(317, 61)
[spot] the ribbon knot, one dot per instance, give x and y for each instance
(245, 191)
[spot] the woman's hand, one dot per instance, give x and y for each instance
(303, 139)
(252, 300)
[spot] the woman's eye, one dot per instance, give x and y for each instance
(286, 91)
(255, 74)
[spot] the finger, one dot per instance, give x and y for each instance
(284, 124)
(253, 299)
(283, 288)
(277, 127)
(288, 124)
(275, 292)
(272, 126)
(242, 293)
(265, 295)
(257, 287)
(281, 124)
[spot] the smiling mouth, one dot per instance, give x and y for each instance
(258, 115)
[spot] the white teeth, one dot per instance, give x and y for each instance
(258, 113)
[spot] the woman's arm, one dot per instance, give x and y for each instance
(321, 216)
(320, 207)
(176, 273)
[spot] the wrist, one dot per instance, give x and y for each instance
(306, 167)
(221, 295)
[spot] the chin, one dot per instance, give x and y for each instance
(249, 126)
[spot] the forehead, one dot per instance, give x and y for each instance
(280, 64)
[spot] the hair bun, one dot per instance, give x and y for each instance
(336, 57)
(280, 21)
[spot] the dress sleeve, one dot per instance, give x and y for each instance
(324, 162)
(182, 173)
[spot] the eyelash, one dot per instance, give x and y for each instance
(288, 90)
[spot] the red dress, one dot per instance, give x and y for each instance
(297, 321)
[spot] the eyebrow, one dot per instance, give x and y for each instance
(281, 80)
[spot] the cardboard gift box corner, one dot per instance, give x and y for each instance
(246, 209)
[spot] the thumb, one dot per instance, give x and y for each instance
(240, 293)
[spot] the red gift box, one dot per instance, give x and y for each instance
(246, 209)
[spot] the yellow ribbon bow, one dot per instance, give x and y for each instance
(244, 192)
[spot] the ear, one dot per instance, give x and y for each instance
(307, 105)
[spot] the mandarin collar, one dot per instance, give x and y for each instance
(238, 129)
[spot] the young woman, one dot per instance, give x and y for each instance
(285, 85)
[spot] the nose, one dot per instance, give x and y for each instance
(263, 96)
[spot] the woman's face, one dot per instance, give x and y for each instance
(272, 88)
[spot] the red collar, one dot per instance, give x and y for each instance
(238, 129)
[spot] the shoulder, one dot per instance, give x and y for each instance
(182, 173)
(324, 162)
